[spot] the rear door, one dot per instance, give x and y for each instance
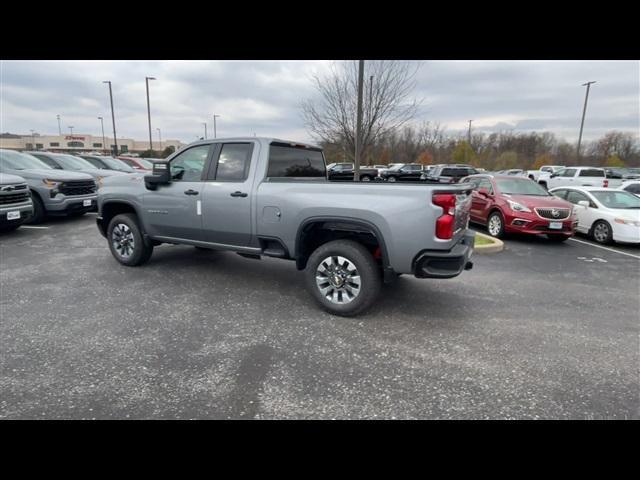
(227, 196)
(174, 210)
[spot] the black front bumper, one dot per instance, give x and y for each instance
(445, 264)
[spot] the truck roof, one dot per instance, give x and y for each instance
(263, 140)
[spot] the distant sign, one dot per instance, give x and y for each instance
(73, 137)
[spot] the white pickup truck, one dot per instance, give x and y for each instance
(544, 172)
(579, 177)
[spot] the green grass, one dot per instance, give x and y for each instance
(481, 241)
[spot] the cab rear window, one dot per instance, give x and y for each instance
(295, 162)
(591, 173)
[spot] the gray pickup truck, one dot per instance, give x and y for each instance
(54, 192)
(268, 197)
(16, 206)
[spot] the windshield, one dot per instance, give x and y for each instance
(116, 164)
(613, 199)
(21, 161)
(520, 187)
(145, 163)
(70, 162)
(397, 166)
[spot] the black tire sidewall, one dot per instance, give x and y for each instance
(365, 264)
(141, 251)
(39, 212)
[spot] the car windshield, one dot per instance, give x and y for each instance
(145, 163)
(70, 162)
(613, 199)
(116, 164)
(21, 161)
(520, 187)
(397, 167)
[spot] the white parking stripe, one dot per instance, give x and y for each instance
(605, 248)
(35, 228)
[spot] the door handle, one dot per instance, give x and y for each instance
(190, 192)
(239, 194)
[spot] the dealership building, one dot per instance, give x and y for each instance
(81, 143)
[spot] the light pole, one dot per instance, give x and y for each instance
(356, 163)
(584, 111)
(59, 129)
(113, 117)
(102, 126)
(71, 127)
(149, 111)
(215, 133)
(205, 129)
(160, 137)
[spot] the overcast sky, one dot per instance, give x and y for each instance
(263, 97)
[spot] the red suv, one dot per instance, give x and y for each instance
(508, 204)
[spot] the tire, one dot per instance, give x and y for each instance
(39, 213)
(495, 229)
(557, 238)
(365, 178)
(134, 252)
(391, 179)
(349, 299)
(602, 232)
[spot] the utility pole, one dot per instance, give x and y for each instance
(584, 111)
(146, 79)
(103, 139)
(205, 129)
(215, 133)
(59, 128)
(113, 118)
(71, 127)
(469, 133)
(356, 163)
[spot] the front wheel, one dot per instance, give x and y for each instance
(391, 179)
(495, 225)
(365, 178)
(125, 241)
(39, 213)
(343, 277)
(601, 232)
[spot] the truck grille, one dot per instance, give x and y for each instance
(553, 213)
(82, 187)
(8, 199)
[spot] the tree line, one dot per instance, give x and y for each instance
(431, 144)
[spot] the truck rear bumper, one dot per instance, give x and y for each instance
(447, 263)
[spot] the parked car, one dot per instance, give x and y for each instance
(543, 171)
(508, 204)
(267, 197)
(579, 177)
(344, 172)
(622, 173)
(107, 163)
(631, 186)
(515, 172)
(605, 214)
(448, 173)
(387, 167)
(16, 206)
(403, 172)
(53, 192)
(139, 164)
(61, 161)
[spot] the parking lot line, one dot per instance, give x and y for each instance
(605, 248)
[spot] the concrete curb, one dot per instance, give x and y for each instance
(495, 247)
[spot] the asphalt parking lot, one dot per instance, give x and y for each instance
(539, 330)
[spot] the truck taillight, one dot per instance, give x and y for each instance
(605, 183)
(445, 223)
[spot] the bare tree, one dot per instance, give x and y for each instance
(386, 103)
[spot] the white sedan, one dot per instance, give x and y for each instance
(605, 214)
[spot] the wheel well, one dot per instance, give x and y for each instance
(112, 209)
(315, 233)
(34, 193)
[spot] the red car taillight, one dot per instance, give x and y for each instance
(445, 223)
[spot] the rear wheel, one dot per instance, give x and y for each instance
(365, 178)
(125, 240)
(39, 213)
(601, 232)
(391, 179)
(343, 277)
(495, 225)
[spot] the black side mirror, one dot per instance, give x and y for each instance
(161, 175)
